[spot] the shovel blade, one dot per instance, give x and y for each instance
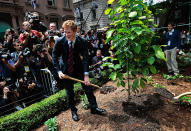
(164, 92)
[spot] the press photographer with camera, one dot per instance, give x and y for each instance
(9, 37)
(29, 37)
(34, 19)
(96, 68)
(51, 35)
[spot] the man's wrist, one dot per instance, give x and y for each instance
(59, 72)
(86, 73)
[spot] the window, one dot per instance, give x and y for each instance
(66, 4)
(94, 14)
(51, 3)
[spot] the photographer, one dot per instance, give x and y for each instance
(51, 35)
(96, 65)
(34, 20)
(9, 37)
(29, 37)
(27, 76)
(7, 67)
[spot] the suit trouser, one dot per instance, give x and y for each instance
(69, 86)
(171, 62)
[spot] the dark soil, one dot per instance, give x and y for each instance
(145, 111)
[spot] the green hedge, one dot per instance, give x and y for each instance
(36, 114)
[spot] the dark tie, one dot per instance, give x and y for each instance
(70, 59)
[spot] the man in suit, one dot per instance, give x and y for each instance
(70, 57)
(173, 43)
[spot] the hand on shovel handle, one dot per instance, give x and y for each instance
(77, 80)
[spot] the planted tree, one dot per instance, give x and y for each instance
(131, 36)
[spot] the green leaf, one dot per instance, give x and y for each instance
(138, 30)
(145, 72)
(109, 33)
(151, 60)
(123, 83)
(153, 69)
(120, 76)
(135, 84)
(158, 52)
(110, 2)
(136, 22)
(142, 82)
(117, 66)
(118, 83)
(137, 48)
(151, 20)
(107, 11)
(133, 14)
(113, 75)
(142, 17)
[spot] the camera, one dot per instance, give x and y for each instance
(25, 53)
(52, 33)
(29, 15)
(5, 54)
(40, 48)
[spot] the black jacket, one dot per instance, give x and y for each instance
(61, 51)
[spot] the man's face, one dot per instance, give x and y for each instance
(98, 54)
(70, 34)
(26, 25)
(18, 46)
(52, 27)
(170, 27)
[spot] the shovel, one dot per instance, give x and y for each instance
(103, 90)
(167, 94)
(81, 81)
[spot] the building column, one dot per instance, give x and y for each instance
(14, 23)
(189, 15)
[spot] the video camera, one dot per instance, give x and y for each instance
(25, 53)
(5, 54)
(29, 16)
(52, 33)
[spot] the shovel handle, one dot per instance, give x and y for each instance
(77, 80)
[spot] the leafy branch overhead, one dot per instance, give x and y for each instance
(131, 34)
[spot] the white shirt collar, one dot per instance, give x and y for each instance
(73, 42)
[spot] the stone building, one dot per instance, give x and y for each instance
(12, 12)
(90, 14)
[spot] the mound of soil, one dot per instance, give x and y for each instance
(145, 111)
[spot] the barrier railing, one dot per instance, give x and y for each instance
(48, 82)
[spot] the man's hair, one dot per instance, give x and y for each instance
(171, 23)
(71, 24)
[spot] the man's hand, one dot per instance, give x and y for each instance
(5, 91)
(5, 61)
(31, 86)
(177, 50)
(87, 80)
(2, 83)
(99, 63)
(61, 75)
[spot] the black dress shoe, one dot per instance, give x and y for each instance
(98, 111)
(75, 116)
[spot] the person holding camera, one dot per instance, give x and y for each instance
(96, 65)
(29, 37)
(51, 35)
(34, 20)
(9, 37)
(73, 50)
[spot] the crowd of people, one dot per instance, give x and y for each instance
(24, 52)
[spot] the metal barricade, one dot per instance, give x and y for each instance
(48, 82)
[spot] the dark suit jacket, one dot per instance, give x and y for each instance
(61, 51)
(175, 40)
